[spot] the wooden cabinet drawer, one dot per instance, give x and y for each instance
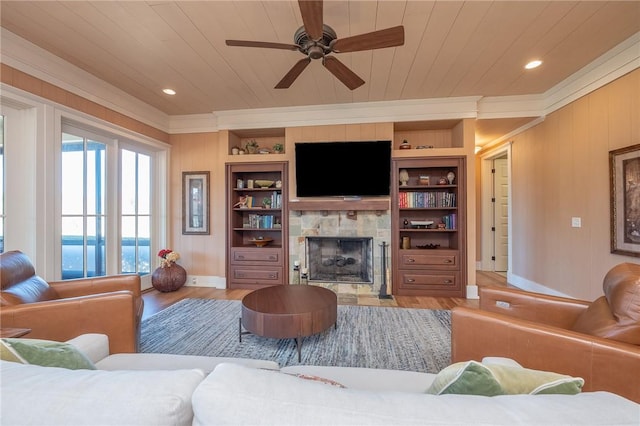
(257, 256)
(256, 275)
(433, 259)
(445, 281)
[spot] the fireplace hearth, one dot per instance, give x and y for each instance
(340, 259)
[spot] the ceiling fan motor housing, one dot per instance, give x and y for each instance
(315, 49)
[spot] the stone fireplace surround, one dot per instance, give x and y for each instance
(362, 224)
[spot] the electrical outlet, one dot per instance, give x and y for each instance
(194, 280)
(576, 222)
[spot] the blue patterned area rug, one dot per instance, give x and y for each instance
(367, 336)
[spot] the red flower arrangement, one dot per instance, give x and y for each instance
(168, 257)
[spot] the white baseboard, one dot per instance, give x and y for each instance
(525, 284)
(472, 292)
(206, 281)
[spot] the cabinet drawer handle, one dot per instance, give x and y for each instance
(411, 260)
(410, 280)
(272, 257)
(240, 275)
(273, 276)
(448, 281)
(448, 261)
(240, 257)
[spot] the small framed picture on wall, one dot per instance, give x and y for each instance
(624, 177)
(195, 203)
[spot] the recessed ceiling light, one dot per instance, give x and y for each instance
(533, 64)
(169, 91)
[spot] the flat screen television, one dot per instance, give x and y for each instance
(343, 169)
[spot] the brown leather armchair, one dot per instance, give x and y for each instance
(61, 310)
(598, 341)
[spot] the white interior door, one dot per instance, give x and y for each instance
(501, 214)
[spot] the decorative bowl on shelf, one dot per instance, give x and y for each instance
(261, 242)
(261, 183)
(421, 223)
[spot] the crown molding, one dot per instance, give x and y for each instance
(615, 63)
(364, 112)
(193, 123)
(511, 106)
(33, 60)
(317, 115)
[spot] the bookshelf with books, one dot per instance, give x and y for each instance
(429, 227)
(257, 228)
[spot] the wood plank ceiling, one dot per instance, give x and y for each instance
(452, 48)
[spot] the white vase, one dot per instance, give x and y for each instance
(450, 177)
(404, 177)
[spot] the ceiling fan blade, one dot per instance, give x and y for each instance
(344, 74)
(311, 11)
(293, 73)
(389, 37)
(265, 44)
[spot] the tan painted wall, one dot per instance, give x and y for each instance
(560, 170)
(201, 255)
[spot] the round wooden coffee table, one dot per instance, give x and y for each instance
(289, 312)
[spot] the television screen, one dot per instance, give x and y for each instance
(343, 169)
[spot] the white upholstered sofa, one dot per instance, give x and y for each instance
(160, 389)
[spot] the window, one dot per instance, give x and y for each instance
(83, 207)
(106, 204)
(60, 196)
(135, 197)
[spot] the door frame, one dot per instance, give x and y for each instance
(486, 207)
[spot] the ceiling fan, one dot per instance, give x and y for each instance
(317, 40)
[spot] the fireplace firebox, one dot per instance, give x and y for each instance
(340, 259)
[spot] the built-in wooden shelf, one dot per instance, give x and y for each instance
(324, 204)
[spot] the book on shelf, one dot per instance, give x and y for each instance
(260, 221)
(413, 199)
(276, 200)
(449, 221)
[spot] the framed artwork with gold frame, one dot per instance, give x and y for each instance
(624, 178)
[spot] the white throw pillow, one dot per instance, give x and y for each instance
(34, 395)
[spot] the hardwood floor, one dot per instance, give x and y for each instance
(156, 301)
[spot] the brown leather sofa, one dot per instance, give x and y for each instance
(62, 310)
(598, 341)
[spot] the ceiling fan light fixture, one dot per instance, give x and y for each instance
(316, 52)
(533, 64)
(169, 92)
